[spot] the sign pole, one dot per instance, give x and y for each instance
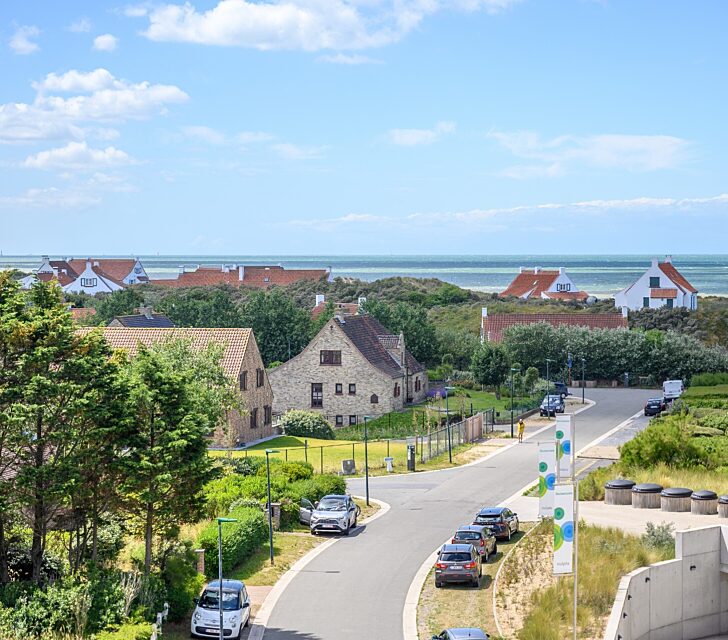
(576, 522)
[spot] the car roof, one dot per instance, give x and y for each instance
(472, 527)
(454, 548)
(491, 511)
(230, 585)
(467, 632)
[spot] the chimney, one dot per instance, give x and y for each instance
(625, 312)
(225, 269)
(241, 273)
(147, 311)
(561, 271)
(181, 268)
(320, 299)
(88, 264)
(536, 270)
(655, 262)
(96, 263)
(484, 312)
(340, 319)
(520, 269)
(668, 259)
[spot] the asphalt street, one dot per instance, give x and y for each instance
(356, 589)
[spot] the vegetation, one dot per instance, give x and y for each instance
(306, 424)
(491, 366)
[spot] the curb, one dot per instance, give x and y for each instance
(261, 620)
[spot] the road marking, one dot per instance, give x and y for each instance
(261, 620)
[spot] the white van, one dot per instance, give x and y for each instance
(235, 610)
(672, 389)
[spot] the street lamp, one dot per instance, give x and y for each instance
(548, 378)
(583, 368)
(513, 370)
(366, 459)
(219, 567)
(270, 504)
(447, 421)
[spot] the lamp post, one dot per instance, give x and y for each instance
(583, 383)
(366, 459)
(219, 567)
(447, 422)
(270, 505)
(548, 379)
(513, 370)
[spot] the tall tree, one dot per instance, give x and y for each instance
(490, 366)
(119, 303)
(202, 307)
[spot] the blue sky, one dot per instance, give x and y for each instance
(363, 126)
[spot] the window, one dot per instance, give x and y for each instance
(330, 357)
(352, 419)
(563, 286)
(266, 279)
(670, 302)
(339, 421)
(418, 385)
(243, 380)
(397, 390)
(374, 399)
(317, 394)
(339, 389)
(88, 282)
(254, 418)
(352, 389)
(259, 377)
(646, 302)
(654, 282)
(267, 415)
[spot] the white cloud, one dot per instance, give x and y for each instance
(557, 156)
(205, 134)
(309, 25)
(105, 42)
(415, 137)
(349, 59)
(77, 156)
(82, 25)
(78, 81)
(295, 152)
(20, 42)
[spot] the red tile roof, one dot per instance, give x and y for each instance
(260, 277)
(340, 308)
(114, 269)
(79, 313)
(663, 293)
(494, 325)
(671, 272)
(531, 283)
(61, 278)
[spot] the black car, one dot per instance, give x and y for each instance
(501, 520)
(551, 405)
(654, 407)
(561, 389)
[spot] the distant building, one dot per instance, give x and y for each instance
(89, 276)
(241, 361)
(662, 285)
(240, 275)
(351, 369)
(544, 284)
(146, 318)
(340, 308)
(80, 314)
(492, 326)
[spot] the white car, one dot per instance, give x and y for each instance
(235, 610)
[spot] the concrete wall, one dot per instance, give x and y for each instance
(681, 599)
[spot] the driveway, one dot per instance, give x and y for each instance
(356, 589)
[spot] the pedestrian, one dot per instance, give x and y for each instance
(521, 429)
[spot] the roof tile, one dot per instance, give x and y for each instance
(495, 324)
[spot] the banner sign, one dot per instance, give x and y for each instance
(563, 529)
(565, 446)
(546, 478)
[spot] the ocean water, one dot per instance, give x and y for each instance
(600, 275)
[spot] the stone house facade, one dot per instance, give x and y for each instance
(241, 361)
(351, 369)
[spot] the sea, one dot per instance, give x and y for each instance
(600, 275)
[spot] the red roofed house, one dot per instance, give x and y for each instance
(546, 284)
(662, 285)
(340, 308)
(260, 277)
(493, 326)
(89, 275)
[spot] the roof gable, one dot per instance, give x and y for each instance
(671, 272)
(531, 283)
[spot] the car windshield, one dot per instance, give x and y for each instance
(210, 600)
(331, 504)
(489, 518)
(459, 556)
(467, 535)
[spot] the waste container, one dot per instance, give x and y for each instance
(410, 457)
(389, 461)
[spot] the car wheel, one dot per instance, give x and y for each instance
(495, 548)
(356, 520)
(475, 583)
(485, 557)
(313, 533)
(509, 534)
(438, 584)
(347, 530)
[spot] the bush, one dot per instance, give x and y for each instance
(709, 379)
(668, 440)
(222, 492)
(239, 539)
(315, 488)
(714, 421)
(247, 466)
(182, 581)
(306, 424)
(659, 536)
(127, 631)
(291, 471)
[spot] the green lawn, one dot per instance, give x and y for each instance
(719, 390)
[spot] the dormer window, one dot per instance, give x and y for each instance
(563, 286)
(89, 282)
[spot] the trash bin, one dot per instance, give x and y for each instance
(618, 491)
(675, 499)
(704, 502)
(723, 507)
(410, 457)
(388, 462)
(646, 496)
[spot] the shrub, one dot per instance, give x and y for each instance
(182, 581)
(247, 466)
(709, 379)
(659, 536)
(239, 539)
(667, 440)
(222, 492)
(714, 421)
(127, 631)
(306, 424)
(315, 488)
(291, 471)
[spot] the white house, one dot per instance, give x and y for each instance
(547, 284)
(662, 285)
(93, 280)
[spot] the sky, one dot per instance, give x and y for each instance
(344, 127)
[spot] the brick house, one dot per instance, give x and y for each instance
(240, 360)
(351, 369)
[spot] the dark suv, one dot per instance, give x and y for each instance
(561, 389)
(480, 536)
(458, 563)
(501, 519)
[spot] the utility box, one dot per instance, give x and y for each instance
(389, 462)
(348, 467)
(410, 457)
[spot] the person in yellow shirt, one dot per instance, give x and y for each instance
(521, 429)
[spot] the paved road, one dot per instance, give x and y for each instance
(356, 589)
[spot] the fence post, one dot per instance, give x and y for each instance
(388, 448)
(286, 455)
(305, 450)
(322, 459)
(422, 449)
(353, 452)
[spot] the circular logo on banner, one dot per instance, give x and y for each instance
(558, 513)
(558, 537)
(550, 481)
(566, 447)
(542, 466)
(559, 434)
(567, 530)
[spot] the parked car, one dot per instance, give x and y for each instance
(458, 563)
(480, 536)
(501, 519)
(561, 389)
(336, 513)
(461, 634)
(552, 404)
(205, 621)
(654, 406)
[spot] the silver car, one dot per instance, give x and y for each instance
(458, 563)
(335, 513)
(462, 634)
